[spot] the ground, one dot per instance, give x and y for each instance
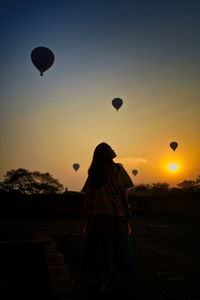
(166, 262)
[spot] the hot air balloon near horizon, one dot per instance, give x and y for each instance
(135, 172)
(174, 145)
(42, 58)
(117, 103)
(76, 166)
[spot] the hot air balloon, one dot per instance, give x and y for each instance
(42, 58)
(135, 172)
(117, 103)
(76, 167)
(174, 145)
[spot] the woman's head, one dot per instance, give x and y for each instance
(103, 153)
(102, 157)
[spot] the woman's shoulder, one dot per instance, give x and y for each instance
(120, 169)
(118, 166)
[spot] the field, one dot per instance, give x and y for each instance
(165, 249)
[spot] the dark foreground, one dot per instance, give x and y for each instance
(40, 259)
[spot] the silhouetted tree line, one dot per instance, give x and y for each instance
(30, 183)
(163, 187)
(36, 183)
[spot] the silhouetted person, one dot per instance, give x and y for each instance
(107, 217)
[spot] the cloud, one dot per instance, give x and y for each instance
(133, 160)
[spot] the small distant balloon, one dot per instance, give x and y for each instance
(76, 167)
(135, 172)
(174, 145)
(117, 103)
(42, 58)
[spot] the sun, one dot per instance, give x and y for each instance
(173, 167)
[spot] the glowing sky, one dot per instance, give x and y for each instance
(145, 52)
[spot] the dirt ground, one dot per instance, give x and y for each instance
(166, 259)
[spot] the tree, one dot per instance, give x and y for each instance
(18, 180)
(188, 185)
(175, 190)
(142, 188)
(198, 182)
(30, 182)
(46, 184)
(159, 187)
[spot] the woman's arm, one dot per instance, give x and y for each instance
(124, 197)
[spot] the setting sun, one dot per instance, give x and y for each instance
(173, 167)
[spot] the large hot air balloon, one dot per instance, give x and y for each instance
(135, 172)
(174, 145)
(117, 103)
(76, 167)
(42, 58)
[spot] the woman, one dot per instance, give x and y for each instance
(107, 214)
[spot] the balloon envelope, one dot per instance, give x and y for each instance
(42, 58)
(174, 145)
(135, 172)
(76, 166)
(117, 103)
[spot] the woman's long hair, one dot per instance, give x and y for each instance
(101, 164)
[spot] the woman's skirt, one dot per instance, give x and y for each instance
(107, 251)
